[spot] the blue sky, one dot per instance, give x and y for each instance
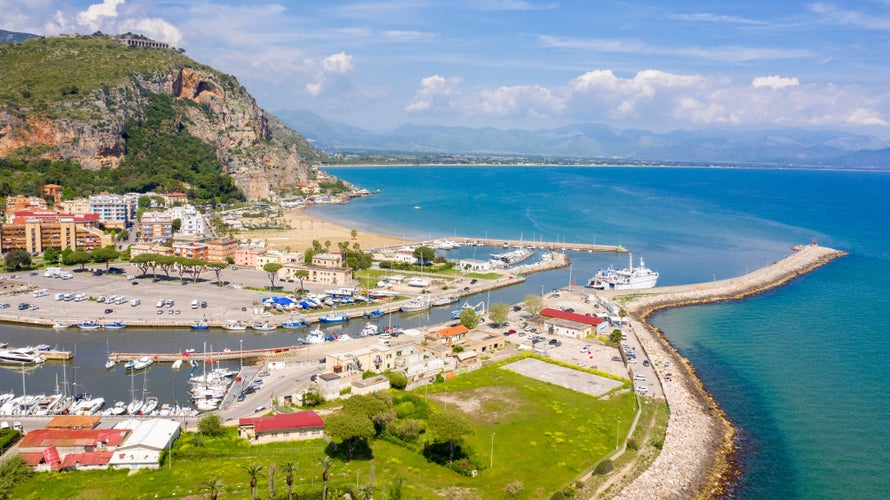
(659, 65)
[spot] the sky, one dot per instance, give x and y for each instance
(526, 64)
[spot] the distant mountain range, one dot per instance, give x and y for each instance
(15, 37)
(596, 141)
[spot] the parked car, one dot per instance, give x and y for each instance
(109, 311)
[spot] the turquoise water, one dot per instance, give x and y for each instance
(800, 370)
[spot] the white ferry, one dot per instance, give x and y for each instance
(624, 279)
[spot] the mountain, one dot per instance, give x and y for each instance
(15, 37)
(597, 141)
(110, 94)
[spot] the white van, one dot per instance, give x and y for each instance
(66, 276)
(160, 303)
(135, 302)
(195, 304)
(43, 292)
(168, 302)
(639, 376)
(59, 296)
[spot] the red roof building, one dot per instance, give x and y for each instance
(452, 334)
(578, 318)
(568, 324)
(282, 427)
(54, 449)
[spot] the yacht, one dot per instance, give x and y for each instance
(88, 325)
(234, 325)
(21, 355)
(142, 363)
(418, 303)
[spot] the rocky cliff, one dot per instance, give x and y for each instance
(87, 124)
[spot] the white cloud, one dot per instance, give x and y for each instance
(854, 18)
(775, 82)
(97, 14)
(154, 28)
(510, 5)
(434, 93)
(520, 100)
(337, 63)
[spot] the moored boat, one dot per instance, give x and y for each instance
(234, 325)
(115, 325)
(316, 336)
(333, 318)
(624, 279)
(200, 325)
(58, 325)
(294, 323)
(419, 303)
(263, 326)
(89, 325)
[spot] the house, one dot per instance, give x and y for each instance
(475, 266)
(327, 260)
(375, 357)
(221, 250)
(329, 385)
(450, 336)
(247, 256)
(190, 250)
(156, 226)
(282, 427)
(568, 324)
(143, 447)
(48, 449)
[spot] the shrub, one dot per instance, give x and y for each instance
(604, 467)
(464, 467)
(408, 429)
(513, 489)
(312, 398)
(632, 444)
(657, 442)
(397, 380)
(211, 425)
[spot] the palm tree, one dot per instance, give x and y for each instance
(325, 462)
(214, 486)
(253, 471)
(289, 468)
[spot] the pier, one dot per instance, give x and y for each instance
(507, 243)
(245, 355)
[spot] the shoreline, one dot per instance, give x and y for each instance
(698, 455)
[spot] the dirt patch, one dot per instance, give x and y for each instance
(485, 403)
(576, 380)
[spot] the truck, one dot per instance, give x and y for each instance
(52, 272)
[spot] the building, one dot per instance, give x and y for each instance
(190, 250)
(174, 198)
(143, 447)
(35, 236)
(74, 422)
(191, 222)
(15, 203)
(114, 210)
(373, 357)
(247, 256)
(268, 257)
(572, 325)
(449, 336)
(327, 260)
(47, 449)
(221, 250)
(145, 44)
(475, 266)
(141, 248)
(156, 227)
(282, 427)
(78, 206)
(329, 385)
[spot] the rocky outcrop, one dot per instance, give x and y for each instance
(218, 111)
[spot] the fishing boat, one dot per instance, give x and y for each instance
(419, 303)
(294, 323)
(443, 300)
(373, 314)
(234, 325)
(624, 279)
(58, 325)
(333, 318)
(201, 325)
(316, 336)
(369, 330)
(478, 309)
(115, 325)
(262, 326)
(89, 325)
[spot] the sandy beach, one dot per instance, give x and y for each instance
(304, 229)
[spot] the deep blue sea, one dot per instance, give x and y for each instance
(800, 370)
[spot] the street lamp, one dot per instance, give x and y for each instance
(491, 455)
(617, 431)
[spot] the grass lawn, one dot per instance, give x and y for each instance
(544, 435)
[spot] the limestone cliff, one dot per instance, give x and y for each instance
(215, 108)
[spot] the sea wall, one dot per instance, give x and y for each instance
(696, 460)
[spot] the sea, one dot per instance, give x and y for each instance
(800, 370)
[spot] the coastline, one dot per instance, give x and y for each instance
(697, 459)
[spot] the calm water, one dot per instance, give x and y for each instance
(801, 370)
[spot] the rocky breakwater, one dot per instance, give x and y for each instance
(696, 458)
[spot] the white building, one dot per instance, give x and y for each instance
(114, 210)
(192, 221)
(475, 265)
(143, 447)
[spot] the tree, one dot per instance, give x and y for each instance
(272, 480)
(351, 428)
(301, 274)
(165, 262)
(253, 470)
(193, 267)
(450, 426)
(144, 262)
(468, 318)
(498, 312)
(353, 233)
(211, 425)
(325, 463)
(177, 225)
(533, 304)
(104, 255)
(272, 269)
(289, 468)
(79, 257)
(217, 268)
(213, 486)
(424, 254)
(615, 336)
(51, 255)
(16, 259)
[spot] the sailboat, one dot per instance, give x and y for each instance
(135, 404)
(109, 363)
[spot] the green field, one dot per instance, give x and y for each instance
(542, 434)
